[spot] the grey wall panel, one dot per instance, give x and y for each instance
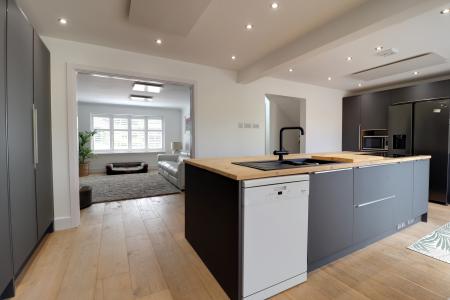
(330, 227)
(44, 190)
(6, 271)
(421, 187)
(20, 134)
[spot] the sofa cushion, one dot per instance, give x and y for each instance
(170, 166)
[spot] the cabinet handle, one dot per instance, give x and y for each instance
(35, 136)
(359, 137)
(375, 201)
(377, 165)
(332, 171)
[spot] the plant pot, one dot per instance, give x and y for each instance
(84, 169)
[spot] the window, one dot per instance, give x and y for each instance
(119, 133)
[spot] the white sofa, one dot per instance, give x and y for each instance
(171, 167)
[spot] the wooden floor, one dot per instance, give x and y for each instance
(136, 250)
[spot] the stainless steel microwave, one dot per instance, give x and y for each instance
(374, 143)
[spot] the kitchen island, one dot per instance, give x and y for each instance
(348, 205)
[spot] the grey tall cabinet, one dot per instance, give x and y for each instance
(26, 192)
(6, 271)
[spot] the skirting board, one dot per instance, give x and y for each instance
(63, 223)
(278, 288)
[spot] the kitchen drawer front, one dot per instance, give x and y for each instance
(373, 219)
(373, 183)
(330, 218)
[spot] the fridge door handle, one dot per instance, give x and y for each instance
(35, 137)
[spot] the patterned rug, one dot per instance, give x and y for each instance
(435, 244)
(124, 187)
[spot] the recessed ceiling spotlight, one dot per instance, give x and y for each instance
(274, 5)
(147, 87)
(416, 73)
(291, 70)
(360, 84)
(249, 26)
(62, 21)
(329, 78)
(349, 58)
(233, 57)
(159, 41)
(141, 98)
(445, 11)
(379, 48)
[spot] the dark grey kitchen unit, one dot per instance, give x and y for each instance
(370, 110)
(330, 220)
(421, 187)
(6, 266)
(351, 123)
(349, 208)
(26, 191)
(44, 173)
(352, 208)
(20, 134)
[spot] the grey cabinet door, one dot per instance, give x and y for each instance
(374, 201)
(20, 134)
(351, 120)
(6, 271)
(330, 227)
(421, 187)
(44, 189)
(403, 185)
(374, 110)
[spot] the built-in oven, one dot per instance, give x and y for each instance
(374, 140)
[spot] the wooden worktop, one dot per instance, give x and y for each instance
(225, 166)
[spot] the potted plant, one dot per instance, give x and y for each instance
(84, 151)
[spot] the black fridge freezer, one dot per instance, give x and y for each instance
(422, 128)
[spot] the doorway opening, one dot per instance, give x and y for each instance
(284, 111)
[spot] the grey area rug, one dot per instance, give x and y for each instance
(124, 187)
(435, 245)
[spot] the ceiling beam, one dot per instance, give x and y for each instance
(364, 19)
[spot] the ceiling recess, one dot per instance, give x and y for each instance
(167, 16)
(401, 66)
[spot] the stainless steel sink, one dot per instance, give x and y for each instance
(269, 165)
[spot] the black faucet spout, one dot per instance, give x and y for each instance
(281, 152)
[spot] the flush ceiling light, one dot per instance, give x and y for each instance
(62, 21)
(141, 98)
(291, 70)
(233, 57)
(360, 84)
(329, 78)
(147, 87)
(159, 41)
(445, 11)
(416, 73)
(379, 48)
(249, 26)
(274, 5)
(349, 58)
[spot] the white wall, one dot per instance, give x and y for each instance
(219, 105)
(172, 130)
(284, 112)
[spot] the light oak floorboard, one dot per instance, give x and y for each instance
(136, 250)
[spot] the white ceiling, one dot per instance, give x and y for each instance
(313, 37)
(425, 33)
(107, 90)
(218, 34)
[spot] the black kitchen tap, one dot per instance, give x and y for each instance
(283, 152)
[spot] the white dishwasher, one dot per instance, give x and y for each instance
(275, 234)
